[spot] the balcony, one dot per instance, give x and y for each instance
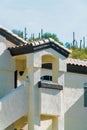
(51, 97)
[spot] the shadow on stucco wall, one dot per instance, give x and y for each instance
(75, 117)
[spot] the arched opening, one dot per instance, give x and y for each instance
(49, 71)
(20, 73)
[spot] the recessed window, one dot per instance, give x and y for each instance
(15, 79)
(46, 77)
(47, 65)
(85, 96)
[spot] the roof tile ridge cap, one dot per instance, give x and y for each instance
(45, 40)
(52, 40)
(73, 59)
(10, 32)
(31, 42)
(78, 60)
(69, 60)
(16, 46)
(41, 41)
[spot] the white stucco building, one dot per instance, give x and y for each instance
(40, 87)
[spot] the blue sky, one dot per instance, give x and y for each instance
(61, 17)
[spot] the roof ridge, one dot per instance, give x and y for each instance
(52, 40)
(46, 40)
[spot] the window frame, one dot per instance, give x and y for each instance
(85, 96)
(46, 78)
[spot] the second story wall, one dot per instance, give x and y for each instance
(7, 68)
(75, 111)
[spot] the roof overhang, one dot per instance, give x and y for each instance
(38, 46)
(77, 66)
(10, 36)
(21, 46)
(76, 69)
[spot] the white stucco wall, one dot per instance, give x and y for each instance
(7, 68)
(46, 125)
(50, 101)
(44, 101)
(75, 112)
(62, 59)
(46, 72)
(13, 106)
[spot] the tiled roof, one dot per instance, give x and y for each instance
(11, 36)
(15, 42)
(44, 41)
(39, 45)
(77, 62)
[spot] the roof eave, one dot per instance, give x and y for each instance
(10, 36)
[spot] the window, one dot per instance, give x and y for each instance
(47, 66)
(46, 77)
(85, 96)
(15, 79)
